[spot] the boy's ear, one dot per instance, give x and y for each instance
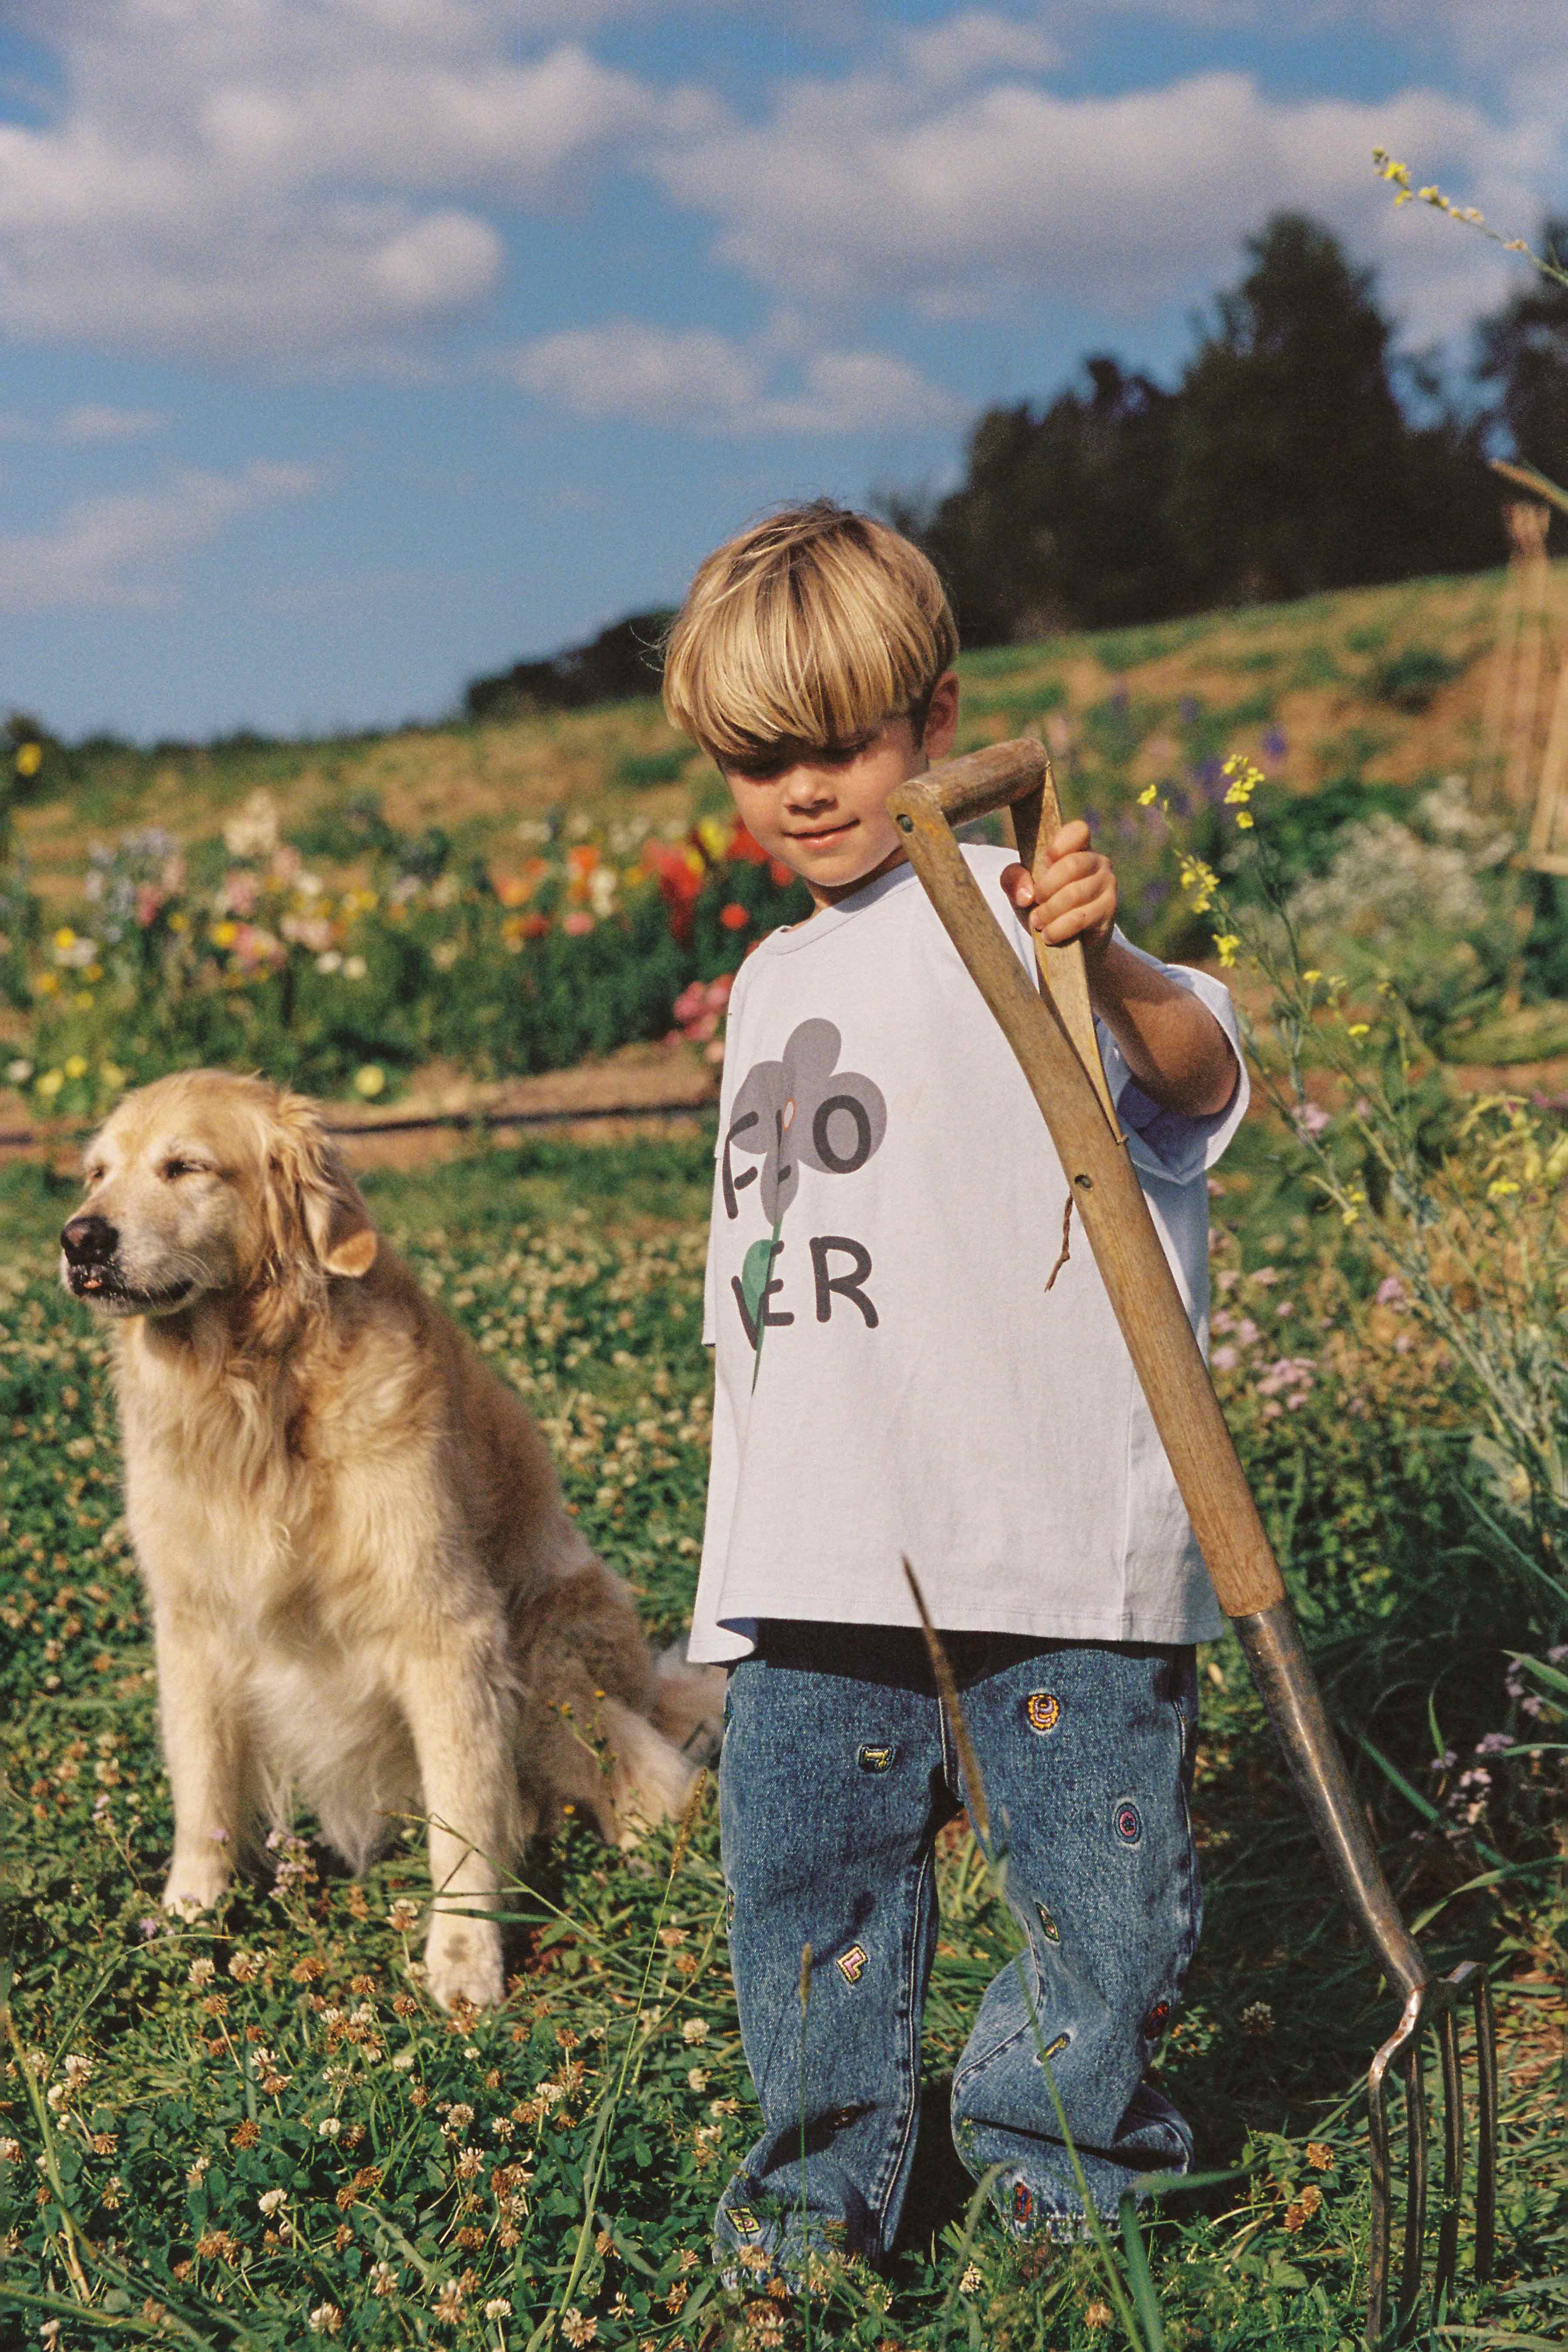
(942, 717)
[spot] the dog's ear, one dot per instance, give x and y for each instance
(313, 1193)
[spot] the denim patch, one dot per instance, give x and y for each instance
(1159, 2017)
(1053, 2049)
(1023, 2203)
(1048, 1924)
(1129, 1823)
(851, 1965)
(742, 2221)
(876, 1758)
(1043, 1711)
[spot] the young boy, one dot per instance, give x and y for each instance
(892, 1380)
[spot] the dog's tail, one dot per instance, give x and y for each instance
(651, 1779)
(688, 1704)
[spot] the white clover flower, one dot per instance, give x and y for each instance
(330, 2126)
(270, 2200)
(694, 2030)
(202, 1973)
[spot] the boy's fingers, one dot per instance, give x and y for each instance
(1070, 836)
(1017, 884)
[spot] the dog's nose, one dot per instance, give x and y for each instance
(90, 1241)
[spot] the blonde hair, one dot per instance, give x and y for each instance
(808, 630)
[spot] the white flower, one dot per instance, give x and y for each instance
(270, 2200)
(694, 2030)
(498, 2308)
(403, 1916)
(326, 2319)
(330, 2126)
(698, 2078)
(329, 960)
(202, 1973)
(354, 967)
(18, 1072)
(403, 2059)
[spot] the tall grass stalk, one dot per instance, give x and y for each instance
(598, 2156)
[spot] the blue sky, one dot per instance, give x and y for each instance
(349, 348)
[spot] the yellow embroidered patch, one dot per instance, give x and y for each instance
(851, 1965)
(1044, 1711)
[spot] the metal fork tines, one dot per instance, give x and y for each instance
(1436, 2004)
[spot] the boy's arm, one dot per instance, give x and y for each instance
(1174, 1046)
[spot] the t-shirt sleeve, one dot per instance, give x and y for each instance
(1166, 1143)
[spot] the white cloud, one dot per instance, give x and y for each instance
(115, 550)
(1012, 195)
(89, 421)
(699, 381)
(974, 46)
(277, 177)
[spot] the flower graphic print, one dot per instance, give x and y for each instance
(801, 1111)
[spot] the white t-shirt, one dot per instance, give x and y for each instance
(891, 1378)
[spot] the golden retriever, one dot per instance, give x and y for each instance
(365, 1588)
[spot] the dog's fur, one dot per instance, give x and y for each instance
(365, 1588)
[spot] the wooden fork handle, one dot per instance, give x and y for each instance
(1099, 1168)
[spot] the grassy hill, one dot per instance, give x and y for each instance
(1337, 677)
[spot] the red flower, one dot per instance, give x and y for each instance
(743, 847)
(734, 916)
(781, 873)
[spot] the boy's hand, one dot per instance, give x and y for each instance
(1078, 898)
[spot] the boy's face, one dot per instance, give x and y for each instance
(825, 815)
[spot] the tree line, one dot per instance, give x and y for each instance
(1297, 452)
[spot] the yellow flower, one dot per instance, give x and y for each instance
(76, 1065)
(178, 922)
(65, 939)
(49, 1085)
(46, 984)
(111, 1074)
(1499, 1187)
(224, 935)
(1310, 976)
(93, 971)
(1225, 946)
(370, 1080)
(29, 759)
(83, 1001)
(713, 835)
(1243, 822)
(1147, 795)
(1358, 1028)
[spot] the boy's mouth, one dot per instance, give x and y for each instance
(824, 832)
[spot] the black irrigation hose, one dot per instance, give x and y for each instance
(21, 1139)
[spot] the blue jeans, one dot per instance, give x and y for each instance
(838, 1769)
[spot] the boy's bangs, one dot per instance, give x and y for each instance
(792, 641)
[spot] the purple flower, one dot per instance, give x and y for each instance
(1493, 1744)
(1309, 1119)
(1225, 1360)
(1274, 743)
(149, 1928)
(1391, 1291)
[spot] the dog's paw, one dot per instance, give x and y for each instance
(196, 1884)
(463, 1962)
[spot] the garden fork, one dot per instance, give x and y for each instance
(1051, 1031)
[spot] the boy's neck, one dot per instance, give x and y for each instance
(829, 895)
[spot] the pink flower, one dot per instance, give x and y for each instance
(1391, 1291)
(1225, 1360)
(1308, 1119)
(577, 923)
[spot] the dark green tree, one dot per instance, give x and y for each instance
(1291, 472)
(1523, 351)
(1059, 522)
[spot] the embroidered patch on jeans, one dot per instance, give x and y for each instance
(1054, 2049)
(1129, 1823)
(1048, 1925)
(851, 1965)
(875, 1759)
(1044, 1711)
(1159, 2017)
(1023, 2203)
(729, 1906)
(743, 2222)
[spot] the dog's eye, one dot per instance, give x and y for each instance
(172, 1168)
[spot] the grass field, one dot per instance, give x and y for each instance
(252, 2129)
